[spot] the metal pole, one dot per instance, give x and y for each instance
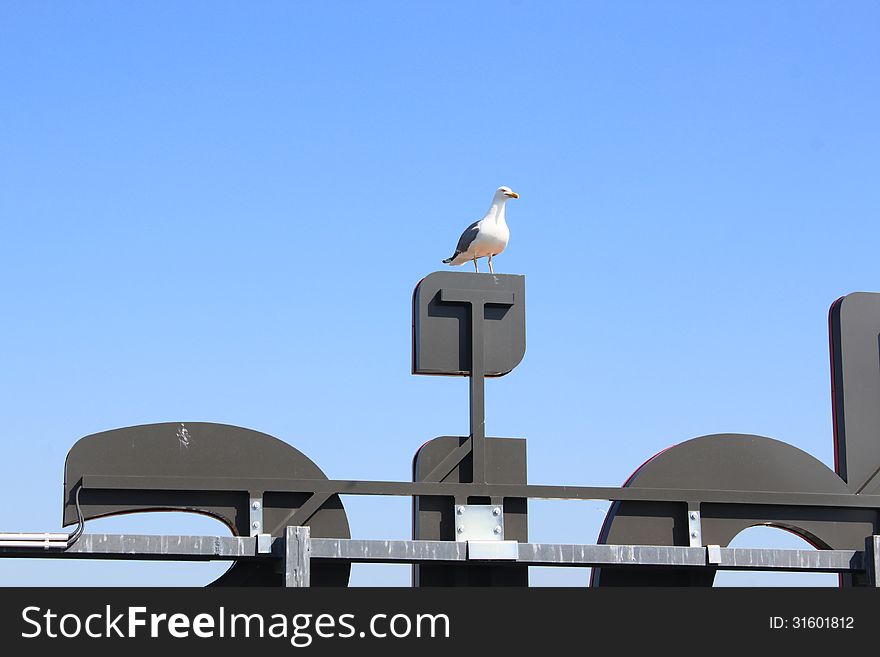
(478, 394)
(297, 557)
(476, 300)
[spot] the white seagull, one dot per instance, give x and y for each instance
(486, 237)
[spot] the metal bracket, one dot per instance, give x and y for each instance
(255, 524)
(492, 550)
(479, 522)
(695, 528)
(713, 554)
(264, 544)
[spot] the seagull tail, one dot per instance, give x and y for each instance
(448, 261)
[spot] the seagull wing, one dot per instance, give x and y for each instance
(464, 242)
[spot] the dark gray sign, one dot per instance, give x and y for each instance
(450, 309)
(470, 493)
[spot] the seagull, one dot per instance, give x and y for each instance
(486, 237)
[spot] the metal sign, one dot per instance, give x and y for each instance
(669, 525)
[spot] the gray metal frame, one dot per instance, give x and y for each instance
(293, 553)
(677, 511)
(461, 491)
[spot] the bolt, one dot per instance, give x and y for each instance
(460, 510)
(496, 511)
(693, 516)
(255, 525)
(498, 530)
(255, 506)
(461, 530)
(694, 534)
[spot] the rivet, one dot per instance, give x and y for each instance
(459, 510)
(496, 511)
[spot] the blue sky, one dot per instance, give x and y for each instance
(217, 211)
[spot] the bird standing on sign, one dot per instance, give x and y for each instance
(487, 237)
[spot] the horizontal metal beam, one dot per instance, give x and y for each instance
(552, 554)
(530, 554)
(388, 551)
(145, 547)
(225, 548)
(547, 554)
(831, 561)
(444, 489)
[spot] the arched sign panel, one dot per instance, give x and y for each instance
(201, 467)
(753, 463)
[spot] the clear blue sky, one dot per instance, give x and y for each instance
(217, 211)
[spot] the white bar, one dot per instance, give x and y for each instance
(22, 536)
(493, 550)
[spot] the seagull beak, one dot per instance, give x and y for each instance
(511, 194)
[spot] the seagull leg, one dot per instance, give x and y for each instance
(491, 271)
(476, 269)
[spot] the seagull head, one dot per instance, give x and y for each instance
(503, 193)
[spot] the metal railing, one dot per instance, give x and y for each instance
(295, 550)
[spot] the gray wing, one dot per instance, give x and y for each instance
(468, 236)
